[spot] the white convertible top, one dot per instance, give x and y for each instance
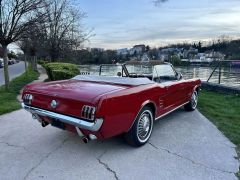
(114, 80)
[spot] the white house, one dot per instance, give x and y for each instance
(123, 51)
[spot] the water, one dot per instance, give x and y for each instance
(229, 76)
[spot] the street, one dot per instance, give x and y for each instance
(14, 71)
(183, 146)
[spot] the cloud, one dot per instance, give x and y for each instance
(177, 21)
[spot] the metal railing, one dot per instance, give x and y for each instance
(219, 66)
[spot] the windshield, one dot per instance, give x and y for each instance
(163, 71)
(155, 73)
(111, 70)
(140, 69)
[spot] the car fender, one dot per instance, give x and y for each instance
(195, 87)
(140, 109)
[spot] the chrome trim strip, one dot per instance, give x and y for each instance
(170, 111)
(91, 126)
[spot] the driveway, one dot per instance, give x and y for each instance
(14, 71)
(183, 146)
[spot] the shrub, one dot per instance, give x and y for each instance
(61, 71)
(42, 62)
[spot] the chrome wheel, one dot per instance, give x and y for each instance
(194, 100)
(144, 126)
(192, 104)
(141, 129)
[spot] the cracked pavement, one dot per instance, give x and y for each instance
(184, 145)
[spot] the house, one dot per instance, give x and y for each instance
(190, 53)
(123, 51)
(165, 53)
(198, 58)
(145, 58)
(138, 49)
(214, 55)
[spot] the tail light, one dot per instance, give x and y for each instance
(27, 99)
(88, 112)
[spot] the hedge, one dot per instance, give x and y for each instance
(42, 62)
(61, 71)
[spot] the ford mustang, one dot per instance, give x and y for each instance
(124, 99)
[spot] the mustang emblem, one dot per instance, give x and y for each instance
(54, 104)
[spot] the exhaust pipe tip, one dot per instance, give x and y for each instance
(44, 123)
(85, 140)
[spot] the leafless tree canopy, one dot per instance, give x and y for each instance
(62, 27)
(59, 32)
(15, 18)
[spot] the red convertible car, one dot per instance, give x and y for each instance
(127, 101)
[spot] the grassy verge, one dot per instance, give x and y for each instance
(224, 111)
(238, 175)
(8, 99)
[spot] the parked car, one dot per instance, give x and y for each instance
(10, 62)
(15, 61)
(99, 107)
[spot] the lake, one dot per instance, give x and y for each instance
(229, 76)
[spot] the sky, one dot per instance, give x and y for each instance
(125, 23)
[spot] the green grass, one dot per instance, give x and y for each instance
(8, 98)
(238, 175)
(224, 111)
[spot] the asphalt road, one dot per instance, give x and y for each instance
(184, 146)
(14, 71)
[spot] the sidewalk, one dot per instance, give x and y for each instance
(43, 75)
(183, 146)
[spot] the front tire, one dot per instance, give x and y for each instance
(192, 104)
(141, 130)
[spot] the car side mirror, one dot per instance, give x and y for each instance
(179, 76)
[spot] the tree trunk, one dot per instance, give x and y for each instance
(35, 63)
(5, 60)
(25, 62)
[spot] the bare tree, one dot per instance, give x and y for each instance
(60, 32)
(16, 16)
(62, 28)
(24, 46)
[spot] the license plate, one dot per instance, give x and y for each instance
(58, 124)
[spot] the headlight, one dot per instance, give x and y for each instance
(88, 112)
(27, 99)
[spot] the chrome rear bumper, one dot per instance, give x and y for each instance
(91, 126)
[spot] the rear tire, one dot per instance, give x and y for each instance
(141, 130)
(192, 104)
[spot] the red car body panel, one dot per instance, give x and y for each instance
(117, 104)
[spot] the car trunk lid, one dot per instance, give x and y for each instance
(70, 95)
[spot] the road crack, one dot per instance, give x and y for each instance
(45, 157)
(106, 166)
(188, 159)
(12, 145)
